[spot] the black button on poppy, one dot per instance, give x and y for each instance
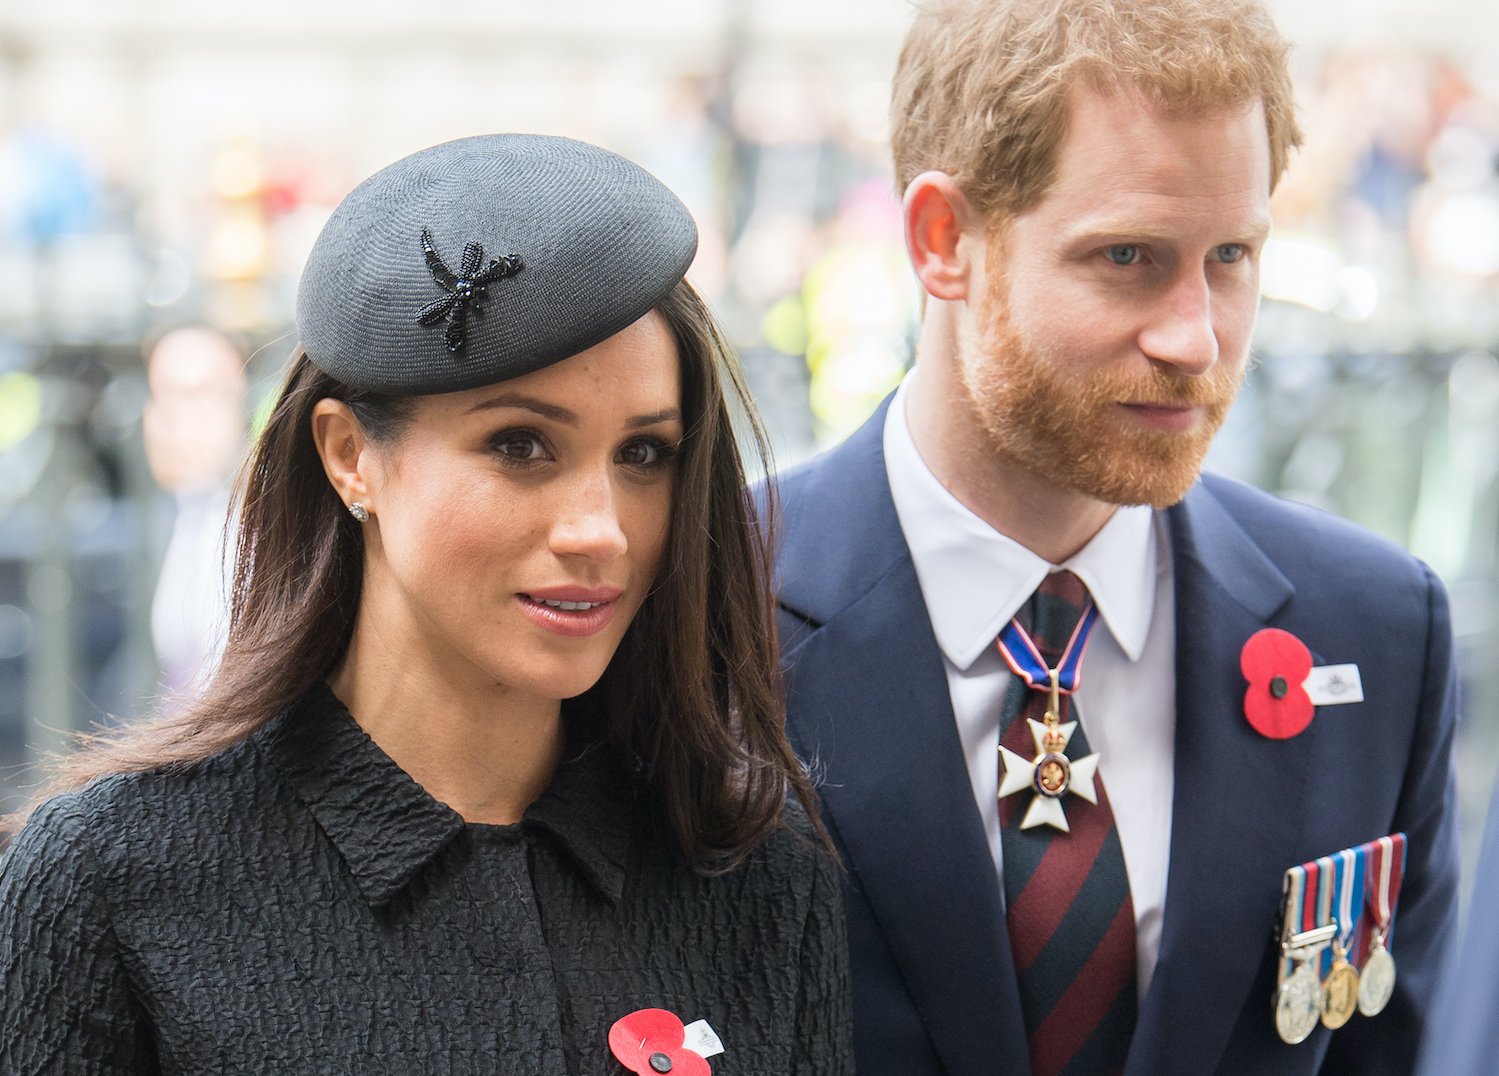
(1278, 687)
(660, 1062)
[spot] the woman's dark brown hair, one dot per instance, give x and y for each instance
(693, 693)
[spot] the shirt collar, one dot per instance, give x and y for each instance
(974, 579)
(387, 827)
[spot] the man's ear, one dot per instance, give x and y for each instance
(340, 444)
(940, 228)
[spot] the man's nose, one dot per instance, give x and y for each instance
(1180, 331)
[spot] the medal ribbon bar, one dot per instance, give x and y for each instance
(1312, 890)
(1327, 879)
(1294, 889)
(1350, 895)
(1384, 872)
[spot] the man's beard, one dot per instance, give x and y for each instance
(1068, 429)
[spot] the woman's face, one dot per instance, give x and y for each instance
(516, 528)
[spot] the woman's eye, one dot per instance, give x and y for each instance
(518, 445)
(1123, 254)
(645, 453)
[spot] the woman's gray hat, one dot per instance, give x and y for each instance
(486, 258)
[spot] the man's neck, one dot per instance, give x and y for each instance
(1052, 522)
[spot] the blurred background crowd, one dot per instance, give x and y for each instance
(165, 165)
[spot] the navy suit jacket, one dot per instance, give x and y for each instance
(934, 986)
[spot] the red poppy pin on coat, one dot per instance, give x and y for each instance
(649, 1042)
(1285, 687)
(1277, 665)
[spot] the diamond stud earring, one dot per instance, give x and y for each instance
(359, 512)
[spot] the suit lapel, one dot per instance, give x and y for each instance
(871, 712)
(1237, 802)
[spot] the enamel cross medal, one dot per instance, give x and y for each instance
(1051, 774)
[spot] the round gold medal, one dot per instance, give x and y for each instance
(1376, 982)
(1298, 1005)
(1339, 994)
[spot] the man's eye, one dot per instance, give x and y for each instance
(1123, 254)
(1229, 252)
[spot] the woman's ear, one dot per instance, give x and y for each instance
(340, 443)
(939, 226)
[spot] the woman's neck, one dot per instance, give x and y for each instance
(487, 754)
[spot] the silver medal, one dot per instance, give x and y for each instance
(1299, 998)
(1298, 1005)
(1376, 981)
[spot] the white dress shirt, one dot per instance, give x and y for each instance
(974, 579)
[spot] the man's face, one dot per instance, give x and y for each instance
(1113, 322)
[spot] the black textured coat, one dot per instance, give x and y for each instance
(299, 904)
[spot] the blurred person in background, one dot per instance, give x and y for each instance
(1034, 887)
(194, 425)
(1464, 1035)
(492, 776)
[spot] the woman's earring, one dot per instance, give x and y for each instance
(359, 512)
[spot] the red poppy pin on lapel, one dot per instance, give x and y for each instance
(1284, 686)
(649, 1042)
(1276, 664)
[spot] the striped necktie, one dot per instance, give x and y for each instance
(1068, 907)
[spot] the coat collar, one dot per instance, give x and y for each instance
(823, 564)
(387, 827)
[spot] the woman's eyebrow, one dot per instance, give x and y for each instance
(557, 413)
(527, 403)
(667, 414)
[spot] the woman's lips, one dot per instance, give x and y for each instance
(572, 611)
